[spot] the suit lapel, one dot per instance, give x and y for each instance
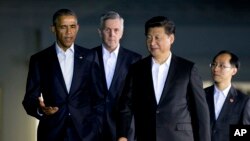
(170, 77)
(118, 67)
(100, 60)
(210, 101)
(78, 65)
(147, 77)
(56, 66)
(228, 104)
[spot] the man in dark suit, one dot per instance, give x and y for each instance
(65, 75)
(115, 62)
(164, 92)
(227, 105)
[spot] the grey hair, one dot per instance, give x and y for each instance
(110, 15)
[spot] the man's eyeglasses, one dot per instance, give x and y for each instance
(221, 66)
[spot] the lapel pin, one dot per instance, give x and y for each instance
(231, 100)
(80, 57)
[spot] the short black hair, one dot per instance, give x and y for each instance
(234, 61)
(62, 12)
(160, 21)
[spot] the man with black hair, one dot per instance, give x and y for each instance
(227, 105)
(65, 74)
(163, 92)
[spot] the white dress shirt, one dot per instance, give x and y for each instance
(159, 73)
(66, 60)
(219, 99)
(109, 61)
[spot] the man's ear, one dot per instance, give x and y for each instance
(172, 37)
(235, 70)
(100, 32)
(77, 27)
(53, 28)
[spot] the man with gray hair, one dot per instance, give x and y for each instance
(114, 61)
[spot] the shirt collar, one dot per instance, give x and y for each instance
(60, 50)
(106, 52)
(225, 91)
(167, 62)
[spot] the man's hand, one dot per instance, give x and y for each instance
(47, 110)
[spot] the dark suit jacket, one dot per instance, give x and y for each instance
(124, 61)
(83, 103)
(232, 112)
(182, 112)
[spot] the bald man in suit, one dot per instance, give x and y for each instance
(227, 105)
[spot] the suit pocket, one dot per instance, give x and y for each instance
(183, 126)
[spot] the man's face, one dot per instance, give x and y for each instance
(158, 42)
(66, 29)
(221, 69)
(111, 33)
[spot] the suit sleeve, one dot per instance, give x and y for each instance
(246, 114)
(97, 99)
(98, 94)
(30, 101)
(201, 115)
(124, 114)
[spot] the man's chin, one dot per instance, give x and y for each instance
(68, 44)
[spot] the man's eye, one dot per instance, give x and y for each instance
(62, 27)
(116, 30)
(106, 30)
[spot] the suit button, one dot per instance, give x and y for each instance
(214, 131)
(157, 112)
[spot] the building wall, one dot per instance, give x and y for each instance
(202, 30)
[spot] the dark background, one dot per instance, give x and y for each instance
(204, 27)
